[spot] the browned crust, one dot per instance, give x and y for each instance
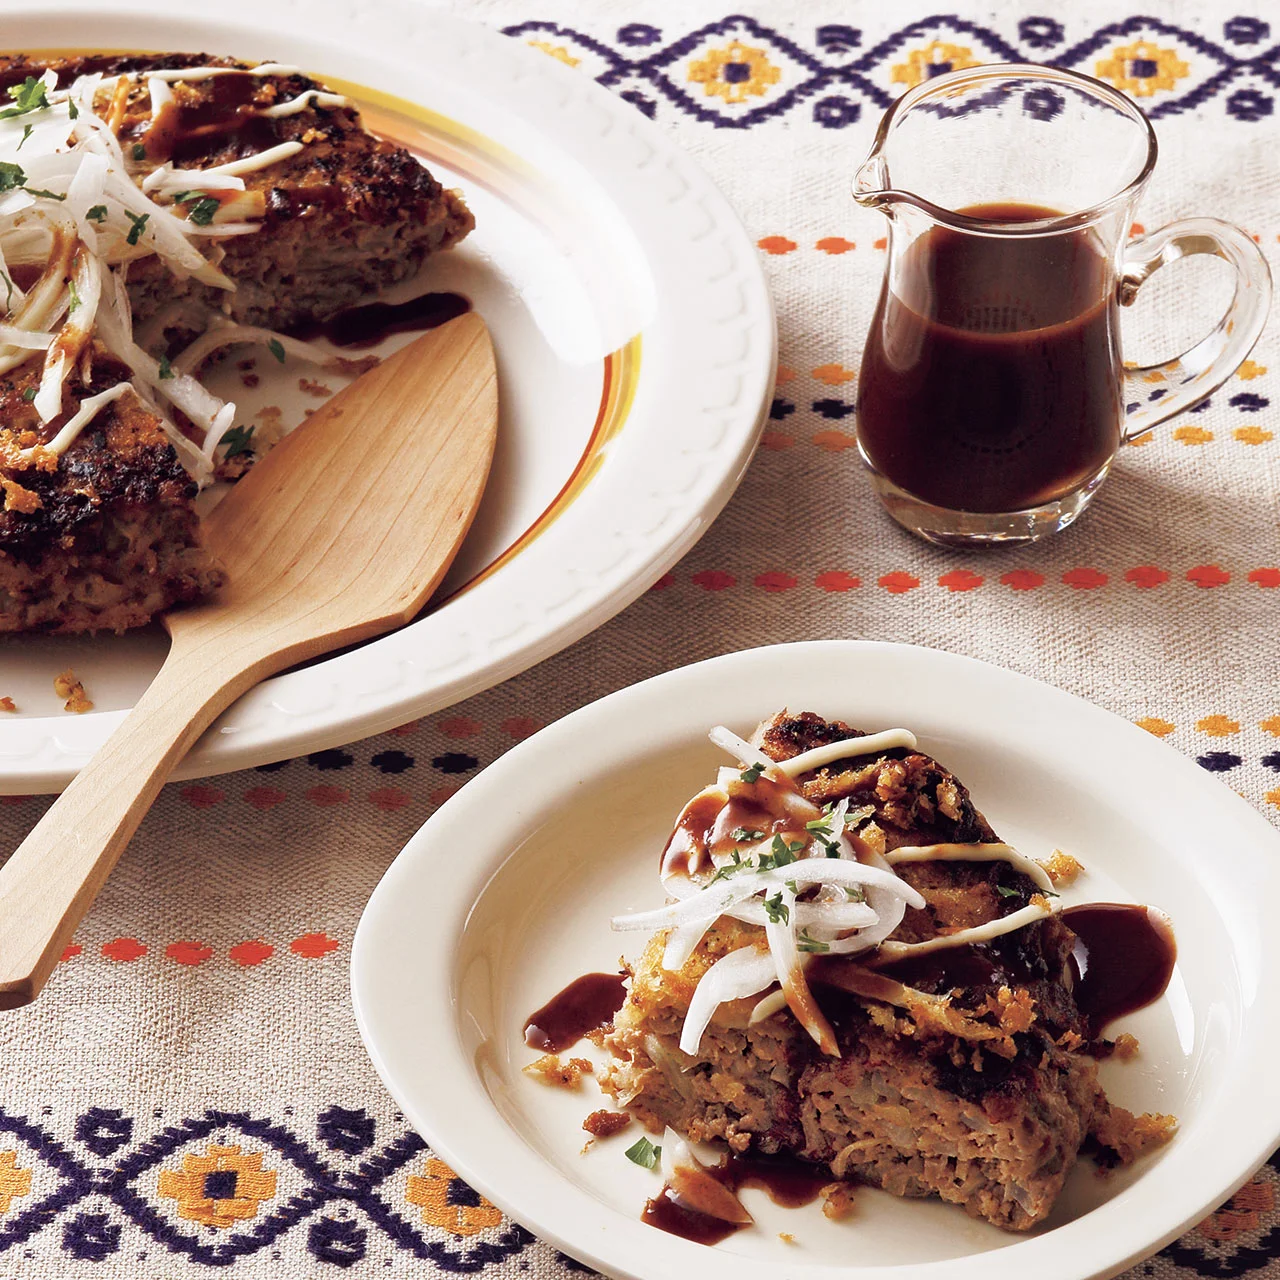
(980, 1091)
(343, 170)
(62, 520)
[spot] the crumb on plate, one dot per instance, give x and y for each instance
(837, 1201)
(8, 704)
(605, 1123)
(1062, 868)
(1126, 1046)
(564, 1075)
(68, 685)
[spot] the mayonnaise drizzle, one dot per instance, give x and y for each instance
(249, 164)
(973, 853)
(832, 751)
(978, 933)
(74, 425)
(304, 102)
(204, 73)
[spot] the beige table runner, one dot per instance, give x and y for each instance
(191, 1092)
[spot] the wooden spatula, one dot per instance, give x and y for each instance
(340, 533)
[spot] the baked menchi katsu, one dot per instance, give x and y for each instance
(854, 970)
(154, 210)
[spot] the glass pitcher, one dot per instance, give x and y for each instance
(993, 394)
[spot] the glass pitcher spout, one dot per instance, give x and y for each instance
(871, 183)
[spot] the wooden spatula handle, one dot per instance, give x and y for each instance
(48, 884)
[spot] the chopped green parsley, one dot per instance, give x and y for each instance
(29, 394)
(27, 130)
(238, 440)
(139, 150)
(777, 910)
(781, 854)
(1005, 892)
(28, 96)
(203, 211)
(276, 347)
(75, 297)
(139, 221)
(166, 372)
(98, 213)
(12, 176)
(743, 835)
(813, 945)
(643, 1153)
(737, 864)
(752, 773)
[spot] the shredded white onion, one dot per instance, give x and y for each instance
(224, 335)
(857, 907)
(80, 213)
(741, 973)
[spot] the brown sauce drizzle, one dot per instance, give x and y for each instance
(226, 117)
(687, 850)
(1122, 961)
(788, 1182)
(585, 1005)
(368, 325)
(25, 274)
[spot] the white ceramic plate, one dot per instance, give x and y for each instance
(635, 345)
(504, 897)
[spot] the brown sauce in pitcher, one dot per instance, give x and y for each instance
(991, 375)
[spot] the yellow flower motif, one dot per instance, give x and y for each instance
(1142, 68)
(1192, 435)
(14, 1182)
(1270, 725)
(1250, 369)
(1154, 725)
(934, 59)
(220, 1188)
(446, 1201)
(735, 73)
(1218, 726)
(556, 51)
(1253, 435)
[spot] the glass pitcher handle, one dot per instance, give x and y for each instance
(1194, 374)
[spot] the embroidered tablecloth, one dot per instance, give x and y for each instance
(191, 1093)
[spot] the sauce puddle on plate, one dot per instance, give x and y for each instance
(787, 1182)
(367, 325)
(585, 1005)
(1122, 960)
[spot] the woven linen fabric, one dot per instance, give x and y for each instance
(191, 1092)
